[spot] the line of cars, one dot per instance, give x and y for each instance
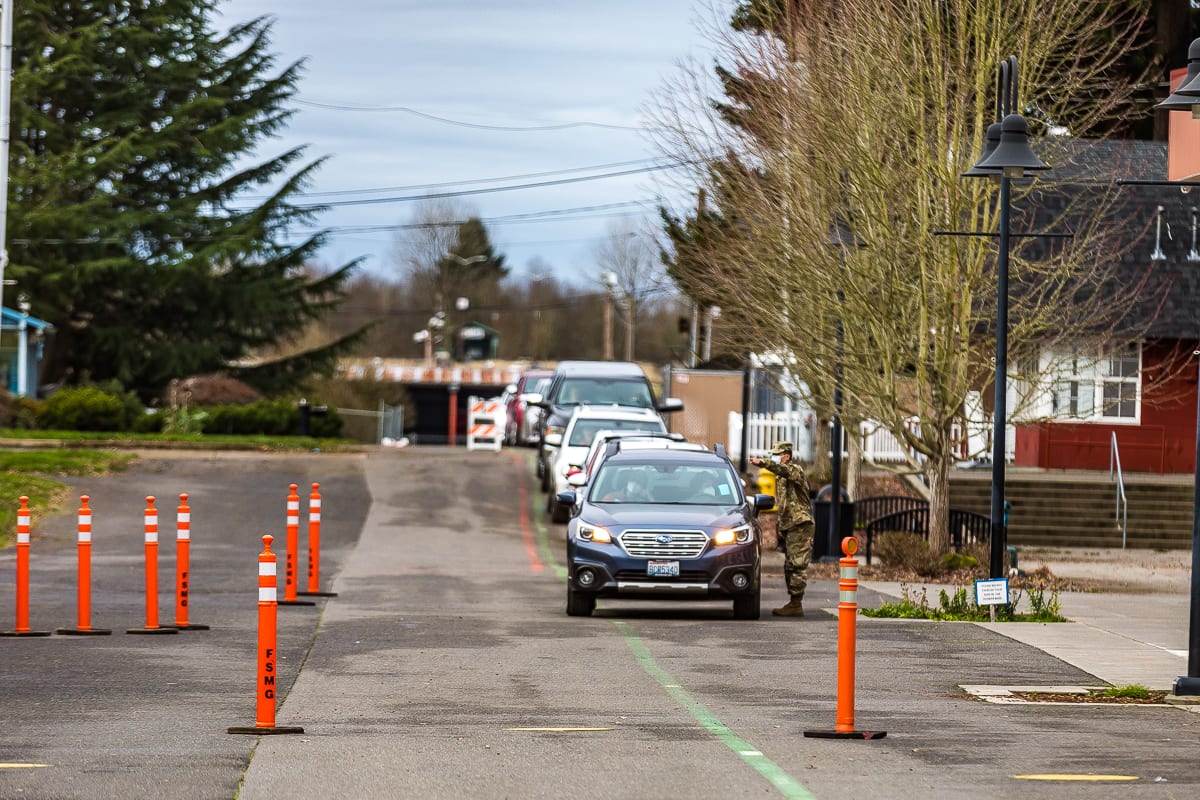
(649, 515)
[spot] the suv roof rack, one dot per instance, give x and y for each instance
(614, 444)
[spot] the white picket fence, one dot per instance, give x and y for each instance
(879, 446)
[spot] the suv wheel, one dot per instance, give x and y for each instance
(579, 604)
(746, 607)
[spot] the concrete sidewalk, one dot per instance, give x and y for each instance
(1122, 639)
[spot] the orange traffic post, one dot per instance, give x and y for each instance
(183, 545)
(847, 634)
(150, 527)
(314, 545)
(264, 706)
(22, 628)
(84, 543)
(292, 557)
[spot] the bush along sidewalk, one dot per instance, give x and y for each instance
(961, 607)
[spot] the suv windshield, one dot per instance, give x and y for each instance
(604, 391)
(585, 430)
(686, 484)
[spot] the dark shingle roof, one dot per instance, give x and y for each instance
(1166, 256)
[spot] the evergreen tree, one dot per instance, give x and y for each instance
(132, 225)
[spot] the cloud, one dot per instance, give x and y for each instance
(517, 64)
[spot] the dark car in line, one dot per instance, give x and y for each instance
(576, 383)
(665, 524)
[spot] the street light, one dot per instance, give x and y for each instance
(1010, 158)
(1187, 98)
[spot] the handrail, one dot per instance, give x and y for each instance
(1122, 510)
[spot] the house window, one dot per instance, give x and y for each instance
(1074, 390)
(1119, 383)
(1103, 388)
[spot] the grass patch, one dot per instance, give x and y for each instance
(63, 462)
(46, 496)
(961, 607)
(32, 473)
(194, 440)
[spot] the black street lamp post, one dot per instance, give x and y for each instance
(1009, 157)
(1187, 98)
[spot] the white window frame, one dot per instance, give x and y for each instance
(1082, 379)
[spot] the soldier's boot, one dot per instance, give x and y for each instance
(794, 608)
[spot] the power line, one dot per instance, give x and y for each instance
(561, 214)
(444, 184)
(477, 126)
(467, 192)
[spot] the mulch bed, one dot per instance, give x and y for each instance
(1154, 698)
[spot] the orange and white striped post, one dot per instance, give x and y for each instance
(314, 545)
(22, 627)
(291, 556)
(183, 545)
(150, 529)
(264, 705)
(84, 544)
(847, 635)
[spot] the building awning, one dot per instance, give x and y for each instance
(10, 320)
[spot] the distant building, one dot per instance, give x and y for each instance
(22, 341)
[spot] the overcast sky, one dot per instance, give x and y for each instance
(485, 67)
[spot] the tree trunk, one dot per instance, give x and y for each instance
(822, 447)
(854, 462)
(937, 473)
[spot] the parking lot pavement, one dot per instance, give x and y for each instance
(446, 667)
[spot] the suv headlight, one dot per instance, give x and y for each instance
(594, 533)
(738, 535)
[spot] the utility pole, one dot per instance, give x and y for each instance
(629, 326)
(609, 279)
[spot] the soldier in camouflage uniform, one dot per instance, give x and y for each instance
(794, 523)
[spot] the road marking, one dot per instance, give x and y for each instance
(786, 785)
(1087, 778)
(560, 730)
(15, 765)
(535, 563)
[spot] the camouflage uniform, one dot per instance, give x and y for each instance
(794, 522)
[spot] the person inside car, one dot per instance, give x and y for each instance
(627, 489)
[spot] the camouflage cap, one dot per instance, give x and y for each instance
(781, 447)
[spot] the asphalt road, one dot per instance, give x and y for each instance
(446, 666)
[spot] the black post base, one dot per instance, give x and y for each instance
(266, 731)
(191, 626)
(24, 633)
(318, 594)
(1186, 685)
(152, 630)
(295, 603)
(844, 734)
(82, 632)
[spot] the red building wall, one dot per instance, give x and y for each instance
(1164, 441)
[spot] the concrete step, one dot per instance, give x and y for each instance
(1080, 510)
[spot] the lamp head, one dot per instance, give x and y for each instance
(1013, 155)
(990, 140)
(1187, 96)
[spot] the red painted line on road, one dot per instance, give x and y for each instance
(535, 563)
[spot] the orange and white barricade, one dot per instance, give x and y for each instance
(486, 418)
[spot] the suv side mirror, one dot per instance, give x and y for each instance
(762, 502)
(577, 479)
(670, 404)
(535, 399)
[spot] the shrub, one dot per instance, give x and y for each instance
(268, 418)
(89, 408)
(907, 551)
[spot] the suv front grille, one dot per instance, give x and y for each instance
(677, 544)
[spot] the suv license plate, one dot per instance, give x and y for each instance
(669, 569)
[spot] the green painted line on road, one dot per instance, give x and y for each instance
(786, 785)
